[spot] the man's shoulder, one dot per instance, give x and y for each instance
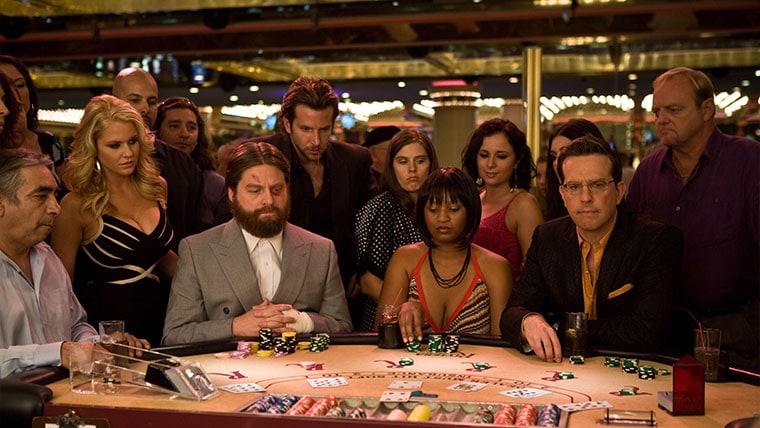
(342, 148)
(173, 155)
(277, 139)
(653, 160)
(213, 234)
(644, 227)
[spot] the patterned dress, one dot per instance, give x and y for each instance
(115, 276)
(472, 315)
(382, 226)
(493, 235)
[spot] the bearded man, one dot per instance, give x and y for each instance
(257, 270)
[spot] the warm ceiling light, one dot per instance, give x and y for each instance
(514, 79)
(253, 88)
(401, 84)
(234, 98)
(633, 76)
(194, 90)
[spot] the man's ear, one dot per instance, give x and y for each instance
(287, 125)
(230, 193)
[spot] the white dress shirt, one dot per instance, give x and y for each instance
(266, 258)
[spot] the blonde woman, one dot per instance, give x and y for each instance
(112, 234)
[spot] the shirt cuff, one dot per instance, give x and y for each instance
(48, 354)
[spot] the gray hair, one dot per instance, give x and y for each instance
(12, 161)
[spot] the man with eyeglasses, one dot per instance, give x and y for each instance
(621, 269)
(707, 184)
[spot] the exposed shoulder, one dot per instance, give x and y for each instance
(72, 201)
(411, 251)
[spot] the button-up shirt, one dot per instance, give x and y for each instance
(266, 258)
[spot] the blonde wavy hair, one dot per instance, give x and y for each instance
(81, 175)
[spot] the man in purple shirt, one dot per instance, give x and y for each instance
(708, 185)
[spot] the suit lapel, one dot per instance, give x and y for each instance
(339, 185)
(573, 281)
(614, 253)
(232, 255)
(295, 260)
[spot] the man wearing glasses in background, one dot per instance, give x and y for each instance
(619, 268)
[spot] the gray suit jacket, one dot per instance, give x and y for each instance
(215, 282)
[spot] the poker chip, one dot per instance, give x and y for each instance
(565, 375)
(435, 343)
(630, 365)
(222, 355)
(647, 372)
(413, 346)
(239, 355)
(632, 390)
(505, 415)
(322, 406)
(663, 372)
(406, 362)
(266, 339)
(612, 361)
(318, 343)
(336, 412)
(548, 416)
(301, 406)
(480, 366)
(264, 353)
(527, 415)
(358, 413)
(303, 345)
(483, 415)
(451, 343)
(577, 359)
(282, 404)
(261, 404)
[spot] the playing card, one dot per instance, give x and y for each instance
(586, 405)
(525, 393)
(327, 382)
(468, 386)
(396, 396)
(240, 388)
(406, 384)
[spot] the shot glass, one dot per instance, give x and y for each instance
(389, 333)
(576, 334)
(707, 350)
(112, 338)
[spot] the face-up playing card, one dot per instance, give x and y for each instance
(525, 393)
(240, 388)
(396, 396)
(327, 382)
(406, 384)
(586, 405)
(468, 386)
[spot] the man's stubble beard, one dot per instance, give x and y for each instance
(251, 223)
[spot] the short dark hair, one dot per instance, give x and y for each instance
(312, 92)
(453, 184)
(201, 154)
(32, 121)
(11, 163)
(525, 169)
(249, 154)
(590, 145)
(388, 180)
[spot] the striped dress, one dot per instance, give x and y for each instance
(116, 277)
(472, 315)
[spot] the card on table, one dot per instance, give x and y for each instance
(468, 386)
(406, 384)
(327, 382)
(586, 405)
(396, 396)
(525, 392)
(240, 388)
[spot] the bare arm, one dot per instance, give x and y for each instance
(168, 264)
(68, 231)
(522, 218)
(371, 285)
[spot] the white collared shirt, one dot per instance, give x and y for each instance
(266, 258)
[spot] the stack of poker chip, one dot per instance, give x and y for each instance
(336, 412)
(261, 404)
(280, 347)
(565, 375)
(483, 415)
(282, 404)
(413, 346)
(647, 372)
(290, 341)
(322, 406)
(244, 349)
(527, 415)
(505, 415)
(319, 343)
(358, 413)
(301, 406)
(548, 416)
(451, 343)
(630, 365)
(612, 361)
(577, 359)
(435, 343)
(266, 339)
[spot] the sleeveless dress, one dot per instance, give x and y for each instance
(494, 235)
(472, 315)
(115, 276)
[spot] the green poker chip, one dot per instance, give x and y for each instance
(406, 361)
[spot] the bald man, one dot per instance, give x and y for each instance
(189, 212)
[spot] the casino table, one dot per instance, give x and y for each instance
(369, 370)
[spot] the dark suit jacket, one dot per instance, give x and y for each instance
(640, 252)
(216, 282)
(187, 209)
(352, 185)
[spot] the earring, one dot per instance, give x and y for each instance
(97, 165)
(479, 182)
